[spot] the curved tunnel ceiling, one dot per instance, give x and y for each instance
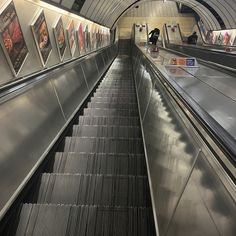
(216, 14)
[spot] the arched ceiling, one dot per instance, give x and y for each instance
(216, 14)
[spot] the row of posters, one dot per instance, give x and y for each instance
(223, 37)
(220, 37)
(15, 48)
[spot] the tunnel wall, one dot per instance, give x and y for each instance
(155, 14)
(35, 113)
(27, 11)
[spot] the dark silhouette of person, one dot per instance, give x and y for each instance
(154, 36)
(192, 39)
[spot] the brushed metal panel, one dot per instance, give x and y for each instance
(105, 57)
(90, 70)
(170, 153)
(71, 88)
(144, 92)
(205, 207)
(28, 124)
(100, 63)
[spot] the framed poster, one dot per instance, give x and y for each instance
(71, 37)
(87, 39)
(60, 38)
(80, 38)
(226, 38)
(41, 37)
(12, 39)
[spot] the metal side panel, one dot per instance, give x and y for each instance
(205, 207)
(90, 70)
(144, 92)
(100, 63)
(29, 122)
(188, 191)
(71, 88)
(105, 57)
(171, 155)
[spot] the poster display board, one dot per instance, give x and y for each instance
(71, 37)
(87, 39)
(12, 39)
(80, 38)
(41, 37)
(183, 61)
(222, 37)
(60, 39)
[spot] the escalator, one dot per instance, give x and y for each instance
(98, 183)
(211, 54)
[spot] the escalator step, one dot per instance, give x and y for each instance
(106, 131)
(116, 85)
(112, 105)
(103, 145)
(102, 190)
(50, 220)
(81, 163)
(111, 120)
(114, 99)
(116, 90)
(114, 94)
(110, 112)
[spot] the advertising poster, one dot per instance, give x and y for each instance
(80, 37)
(12, 39)
(226, 38)
(220, 38)
(41, 37)
(182, 61)
(233, 38)
(93, 39)
(71, 37)
(98, 39)
(60, 38)
(214, 37)
(87, 39)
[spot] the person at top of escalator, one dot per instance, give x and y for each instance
(192, 39)
(154, 36)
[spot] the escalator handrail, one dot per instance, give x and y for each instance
(220, 136)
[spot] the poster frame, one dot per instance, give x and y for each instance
(55, 35)
(35, 37)
(81, 49)
(6, 54)
(72, 49)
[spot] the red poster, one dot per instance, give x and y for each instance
(80, 37)
(12, 39)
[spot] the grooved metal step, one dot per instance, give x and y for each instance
(112, 105)
(57, 220)
(103, 190)
(114, 84)
(126, 95)
(106, 131)
(116, 90)
(111, 120)
(104, 145)
(110, 112)
(93, 163)
(114, 99)
(99, 184)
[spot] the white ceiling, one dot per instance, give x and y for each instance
(107, 12)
